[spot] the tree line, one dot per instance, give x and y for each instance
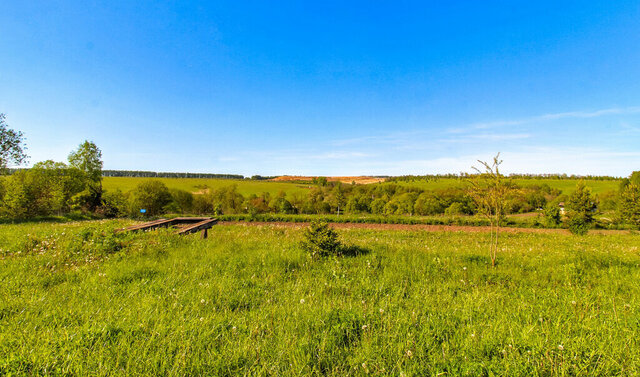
(461, 176)
(153, 174)
(580, 207)
(57, 188)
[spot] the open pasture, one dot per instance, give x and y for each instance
(248, 187)
(77, 299)
(196, 185)
(566, 185)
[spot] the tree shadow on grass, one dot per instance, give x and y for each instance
(353, 250)
(51, 219)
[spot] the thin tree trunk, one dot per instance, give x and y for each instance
(495, 250)
(491, 243)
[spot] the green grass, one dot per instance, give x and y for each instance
(75, 299)
(247, 187)
(566, 185)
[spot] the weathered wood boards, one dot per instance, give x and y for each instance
(147, 226)
(201, 226)
(189, 225)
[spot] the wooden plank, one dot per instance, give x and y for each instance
(147, 225)
(202, 225)
(186, 220)
(194, 224)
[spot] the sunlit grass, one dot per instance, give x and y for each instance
(195, 185)
(248, 187)
(566, 185)
(77, 299)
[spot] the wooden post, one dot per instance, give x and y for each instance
(204, 234)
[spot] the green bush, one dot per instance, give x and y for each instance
(629, 207)
(580, 208)
(579, 225)
(552, 215)
(152, 196)
(454, 209)
(114, 204)
(320, 240)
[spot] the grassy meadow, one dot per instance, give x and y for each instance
(196, 185)
(78, 299)
(566, 185)
(248, 187)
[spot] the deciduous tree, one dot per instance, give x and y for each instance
(88, 159)
(12, 148)
(151, 196)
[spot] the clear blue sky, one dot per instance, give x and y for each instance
(327, 87)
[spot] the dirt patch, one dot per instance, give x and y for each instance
(418, 227)
(360, 180)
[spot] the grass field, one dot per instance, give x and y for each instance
(77, 299)
(247, 187)
(566, 185)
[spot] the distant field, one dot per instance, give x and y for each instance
(566, 185)
(77, 299)
(247, 187)
(349, 179)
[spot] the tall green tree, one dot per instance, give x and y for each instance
(152, 196)
(88, 159)
(629, 204)
(43, 190)
(580, 209)
(12, 148)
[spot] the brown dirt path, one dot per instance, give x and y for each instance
(417, 227)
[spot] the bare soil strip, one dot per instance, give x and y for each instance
(416, 227)
(361, 180)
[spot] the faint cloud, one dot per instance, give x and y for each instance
(547, 117)
(339, 155)
(628, 129)
(477, 132)
(305, 155)
(391, 138)
(486, 137)
(535, 160)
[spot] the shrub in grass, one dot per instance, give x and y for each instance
(580, 208)
(320, 240)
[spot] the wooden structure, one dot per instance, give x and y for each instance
(184, 225)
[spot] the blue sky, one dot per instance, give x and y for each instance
(327, 88)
